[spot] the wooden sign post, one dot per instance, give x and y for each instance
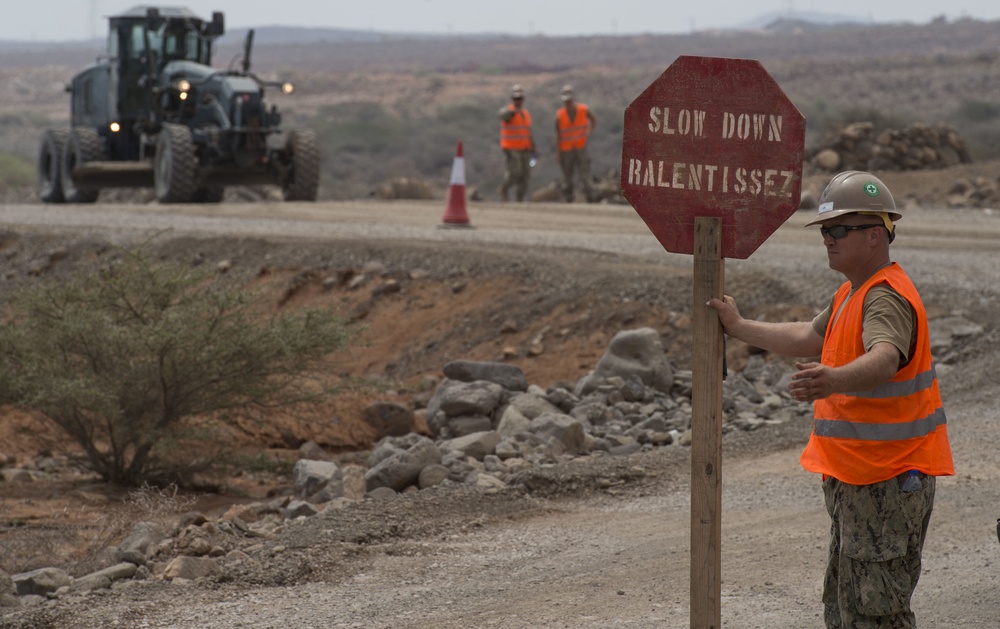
(712, 162)
(706, 429)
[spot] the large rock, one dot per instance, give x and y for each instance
(136, 546)
(468, 424)
(432, 475)
(190, 568)
(636, 352)
(455, 398)
(512, 422)
(476, 445)
(828, 159)
(102, 579)
(402, 469)
(309, 477)
(41, 582)
(314, 452)
(510, 377)
(563, 428)
(531, 405)
(390, 446)
(471, 398)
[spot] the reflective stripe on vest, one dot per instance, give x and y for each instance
(880, 432)
(870, 436)
(515, 134)
(921, 381)
(573, 134)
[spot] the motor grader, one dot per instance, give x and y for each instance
(153, 112)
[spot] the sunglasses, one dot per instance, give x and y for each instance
(841, 231)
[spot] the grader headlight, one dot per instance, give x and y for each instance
(183, 88)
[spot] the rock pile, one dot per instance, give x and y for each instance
(917, 147)
(487, 427)
(981, 192)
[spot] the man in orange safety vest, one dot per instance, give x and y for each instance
(574, 124)
(517, 144)
(879, 434)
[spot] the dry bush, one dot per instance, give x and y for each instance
(82, 541)
(144, 504)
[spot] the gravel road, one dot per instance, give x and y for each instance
(586, 554)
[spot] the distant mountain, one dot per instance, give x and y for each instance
(74, 44)
(264, 36)
(766, 20)
(278, 35)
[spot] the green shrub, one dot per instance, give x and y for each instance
(135, 359)
(16, 171)
(977, 111)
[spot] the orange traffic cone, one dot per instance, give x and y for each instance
(455, 214)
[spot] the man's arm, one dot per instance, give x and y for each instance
(815, 381)
(812, 381)
(793, 338)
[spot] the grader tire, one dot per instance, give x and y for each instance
(50, 155)
(83, 145)
(302, 149)
(175, 166)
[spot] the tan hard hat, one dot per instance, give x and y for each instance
(516, 91)
(566, 93)
(855, 191)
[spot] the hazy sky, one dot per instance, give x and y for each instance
(47, 20)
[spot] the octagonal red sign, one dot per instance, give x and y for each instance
(713, 137)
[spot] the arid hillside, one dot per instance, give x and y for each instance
(396, 107)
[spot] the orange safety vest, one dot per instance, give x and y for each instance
(515, 134)
(871, 436)
(573, 133)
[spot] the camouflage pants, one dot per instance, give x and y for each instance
(575, 163)
(518, 173)
(876, 536)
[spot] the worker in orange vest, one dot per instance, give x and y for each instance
(517, 144)
(574, 124)
(879, 435)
